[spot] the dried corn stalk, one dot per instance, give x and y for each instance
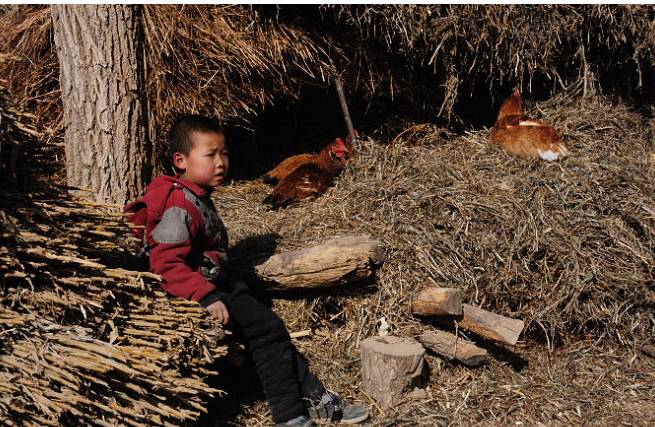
(85, 341)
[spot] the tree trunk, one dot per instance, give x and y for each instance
(102, 79)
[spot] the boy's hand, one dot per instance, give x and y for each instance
(218, 311)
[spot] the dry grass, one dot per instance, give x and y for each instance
(471, 48)
(568, 247)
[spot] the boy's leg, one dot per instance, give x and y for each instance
(274, 356)
(310, 386)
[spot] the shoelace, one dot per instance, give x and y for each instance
(331, 411)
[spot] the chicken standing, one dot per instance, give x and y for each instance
(312, 177)
(525, 137)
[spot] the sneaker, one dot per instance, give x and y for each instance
(332, 408)
(301, 421)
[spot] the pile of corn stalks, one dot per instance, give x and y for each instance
(86, 338)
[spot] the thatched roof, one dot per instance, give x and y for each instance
(459, 51)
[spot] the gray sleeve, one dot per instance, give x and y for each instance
(173, 227)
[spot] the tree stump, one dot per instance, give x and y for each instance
(340, 260)
(390, 366)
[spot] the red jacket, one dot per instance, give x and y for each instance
(184, 237)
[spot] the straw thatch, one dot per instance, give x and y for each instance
(234, 61)
(464, 50)
(229, 61)
(15, 124)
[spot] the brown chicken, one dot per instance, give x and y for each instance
(312, 178)
(525, 137)
(287, 166)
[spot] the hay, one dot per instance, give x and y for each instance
(83, 333)
(443, 53)
(567, 247)
(15, 124)
(228, 61)
(234, 61)
(33, 74)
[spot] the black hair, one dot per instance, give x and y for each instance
(179, 137)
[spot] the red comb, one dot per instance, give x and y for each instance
(517, 93)
(339, 145)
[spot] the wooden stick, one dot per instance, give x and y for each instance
(433, 301)
(490, 325)
(453, 347)
(344, 109)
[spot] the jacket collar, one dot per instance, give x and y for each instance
(194, 188)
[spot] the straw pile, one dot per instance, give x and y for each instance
(234, 61)
(439, 55)
(567, 247)
(229, 61)
(15, 123)
(84, 336)
(33, 73)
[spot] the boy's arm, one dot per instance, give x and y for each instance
(171, 244)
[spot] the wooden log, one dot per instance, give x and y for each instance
(340, 260)
(391, 366)
(492, 326)
(433, 301)
(453, 347)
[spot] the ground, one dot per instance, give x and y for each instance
(568, 247)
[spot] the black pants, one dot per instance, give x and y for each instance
(282, 370)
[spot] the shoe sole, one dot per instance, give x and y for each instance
(356, 420)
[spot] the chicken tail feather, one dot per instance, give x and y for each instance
(554, 153)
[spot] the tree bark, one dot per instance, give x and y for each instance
(390, 367)
(102, 79)
(492, 326)
(434, 301)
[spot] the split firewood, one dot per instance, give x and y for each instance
(433, 301)
(453, 347)
(492, 326)
(338, 261)
(390, 367)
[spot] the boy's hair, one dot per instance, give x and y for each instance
(179, 137)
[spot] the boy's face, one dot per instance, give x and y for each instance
(207, 162)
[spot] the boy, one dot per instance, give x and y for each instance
(186, 243)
